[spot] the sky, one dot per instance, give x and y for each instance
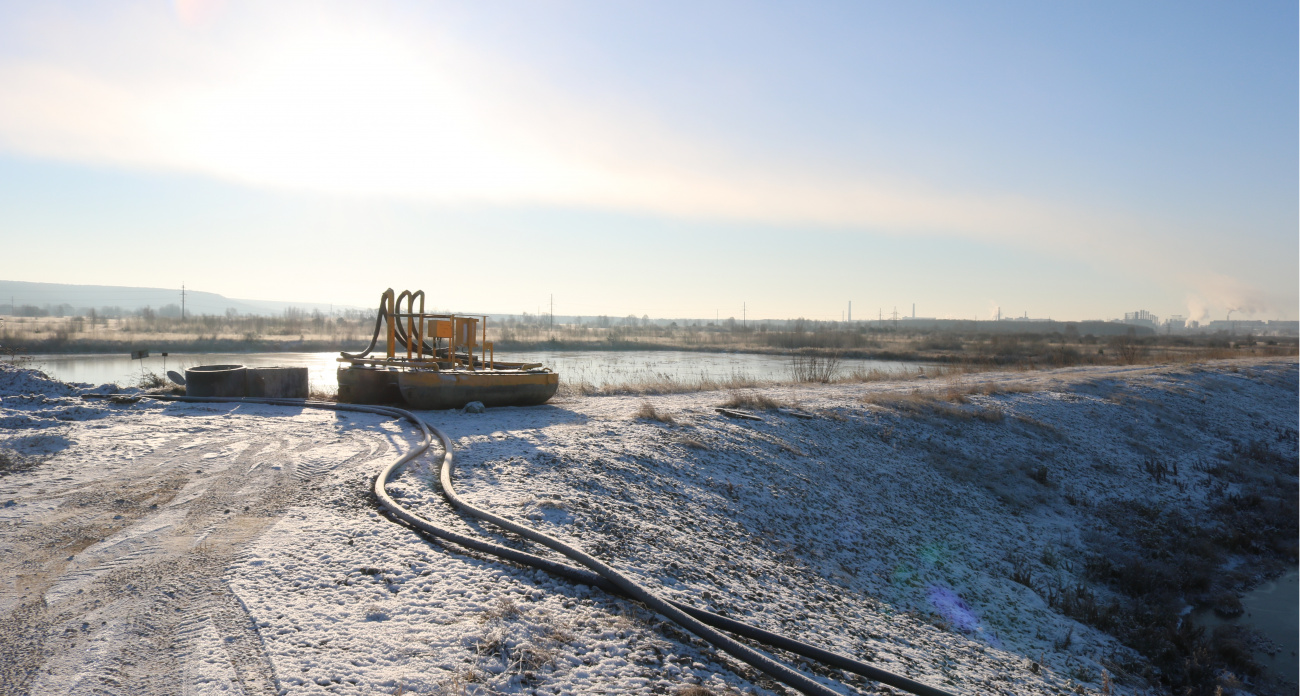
(678, 159)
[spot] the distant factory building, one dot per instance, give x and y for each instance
(1142, 318)
(1278, 327)
(1239, 326)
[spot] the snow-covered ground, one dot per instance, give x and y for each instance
(159, 548)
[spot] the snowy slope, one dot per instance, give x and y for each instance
(888, 526)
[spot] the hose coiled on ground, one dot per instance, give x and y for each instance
(697, 621)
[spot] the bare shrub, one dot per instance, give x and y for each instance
(647, 411)
(1128, 348)
(807, 366)
(1021, 571)
(151, 380)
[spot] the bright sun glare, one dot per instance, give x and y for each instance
(363, 114)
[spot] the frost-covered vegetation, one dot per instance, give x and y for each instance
(1018, 533)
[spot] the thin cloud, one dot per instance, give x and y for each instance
(353, 107)
(334, 99)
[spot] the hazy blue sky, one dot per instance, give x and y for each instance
(1065, 159)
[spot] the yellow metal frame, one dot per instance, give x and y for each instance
(460, 331)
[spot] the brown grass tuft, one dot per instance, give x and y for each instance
(955, 396)
(753, 401)
(647, 411)
(505, 608)
(692, 443)
(695, 690)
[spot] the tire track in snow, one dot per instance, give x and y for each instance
(139, 607)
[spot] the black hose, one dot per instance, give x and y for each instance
(399, 333)
(604, 577)
(379, 320)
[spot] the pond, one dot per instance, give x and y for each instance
(600, 368)
(1273, 610)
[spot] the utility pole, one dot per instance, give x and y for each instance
(552, 316)
(744, 316)
(182, 301)
(850, 311)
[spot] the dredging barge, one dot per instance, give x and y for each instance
(448, 363)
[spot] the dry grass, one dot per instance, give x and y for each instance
(950, 404)
(12, 462)
(999, 388)
(900, 401)
(753, 401)
(504, 608)
(697, 690)
(789, 448)
(692, 443)
(647, 411)
(955, 396)
(659, 384)
(651, 385)
(323, 394)
(152, 380)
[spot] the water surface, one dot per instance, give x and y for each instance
(600, 368)
(1272, 609)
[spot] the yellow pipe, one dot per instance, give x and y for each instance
(469, 342)
(392, 328)
(410, 324)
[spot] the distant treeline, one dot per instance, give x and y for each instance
(976, 343)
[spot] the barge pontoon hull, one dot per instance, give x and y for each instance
(441, 389)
